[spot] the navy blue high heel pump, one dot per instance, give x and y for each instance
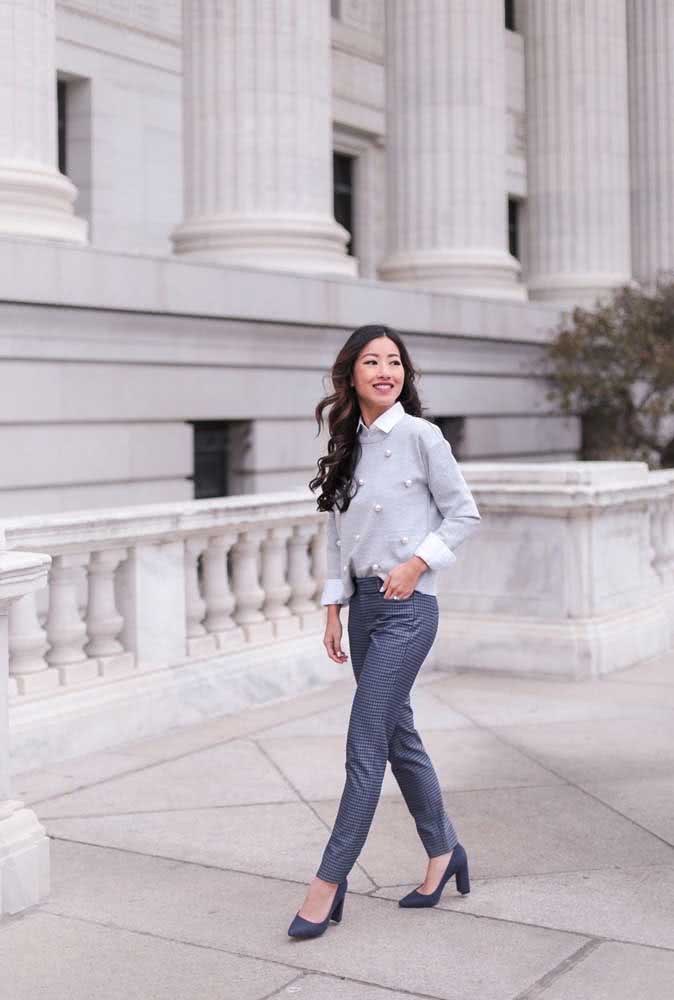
(302, 928)
(458, 865)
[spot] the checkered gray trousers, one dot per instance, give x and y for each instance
(388, 642)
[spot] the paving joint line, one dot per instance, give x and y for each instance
(279, 991)
(187, 861)
(358, 864)
(302, 970)
(568, 781)
(391, 797)
(366, 895)
(119, 749)
(560, 970)
(174, 809)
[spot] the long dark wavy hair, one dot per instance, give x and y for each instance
(335, 470)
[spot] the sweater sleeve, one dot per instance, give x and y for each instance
(455, 502)
(333, 589)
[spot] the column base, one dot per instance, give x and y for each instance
(24, 858)
(37, 202)
(304, 244)
(482, 273)
(576, 289)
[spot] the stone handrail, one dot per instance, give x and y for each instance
(563, 547)
(153, 586)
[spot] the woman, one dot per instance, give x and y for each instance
(411, 508)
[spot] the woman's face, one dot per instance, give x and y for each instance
(378, 374)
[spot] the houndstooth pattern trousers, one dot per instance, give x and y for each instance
(388, 642)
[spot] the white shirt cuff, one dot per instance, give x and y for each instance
(333, 592)
(434, 552)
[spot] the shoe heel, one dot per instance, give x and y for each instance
(336, 914)
(462, 879)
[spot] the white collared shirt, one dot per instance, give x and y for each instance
(411, 499)
(386, 420)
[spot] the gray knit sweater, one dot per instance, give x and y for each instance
(411, 499)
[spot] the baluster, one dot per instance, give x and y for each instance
(248, 593)
(199, 642)
(28, 667)
(104, 622)
(300, 578)
(217, 593)
(274, 584)
(66, 631)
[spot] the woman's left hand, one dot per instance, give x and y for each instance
(402, 579)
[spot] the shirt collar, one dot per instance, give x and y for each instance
(386, 420)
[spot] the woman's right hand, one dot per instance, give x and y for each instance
(333, 639)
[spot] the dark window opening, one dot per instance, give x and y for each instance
(513, 227)
(454, 429)
(212, 458)
(61, 123)
(342, 174)
(334, 8)
(510, 15)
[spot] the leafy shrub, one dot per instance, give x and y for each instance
(613, 366)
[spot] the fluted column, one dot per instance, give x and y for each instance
(577, 208)
(446, 147)
(650, 44)
(35, 199)
(257, 136)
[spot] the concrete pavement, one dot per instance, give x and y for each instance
(178, 862)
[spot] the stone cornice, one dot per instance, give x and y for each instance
(118, 526)
(37, 272)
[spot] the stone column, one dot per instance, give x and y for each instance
(650, 44)
(577, 208)
(24, 845)
(446, 147)
(257, 136)
(35, 199)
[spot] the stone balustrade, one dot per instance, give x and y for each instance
(122, 623)
(160, 615)
(571, 574)
(136, 589)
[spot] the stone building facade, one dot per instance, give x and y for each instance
(172, 269)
